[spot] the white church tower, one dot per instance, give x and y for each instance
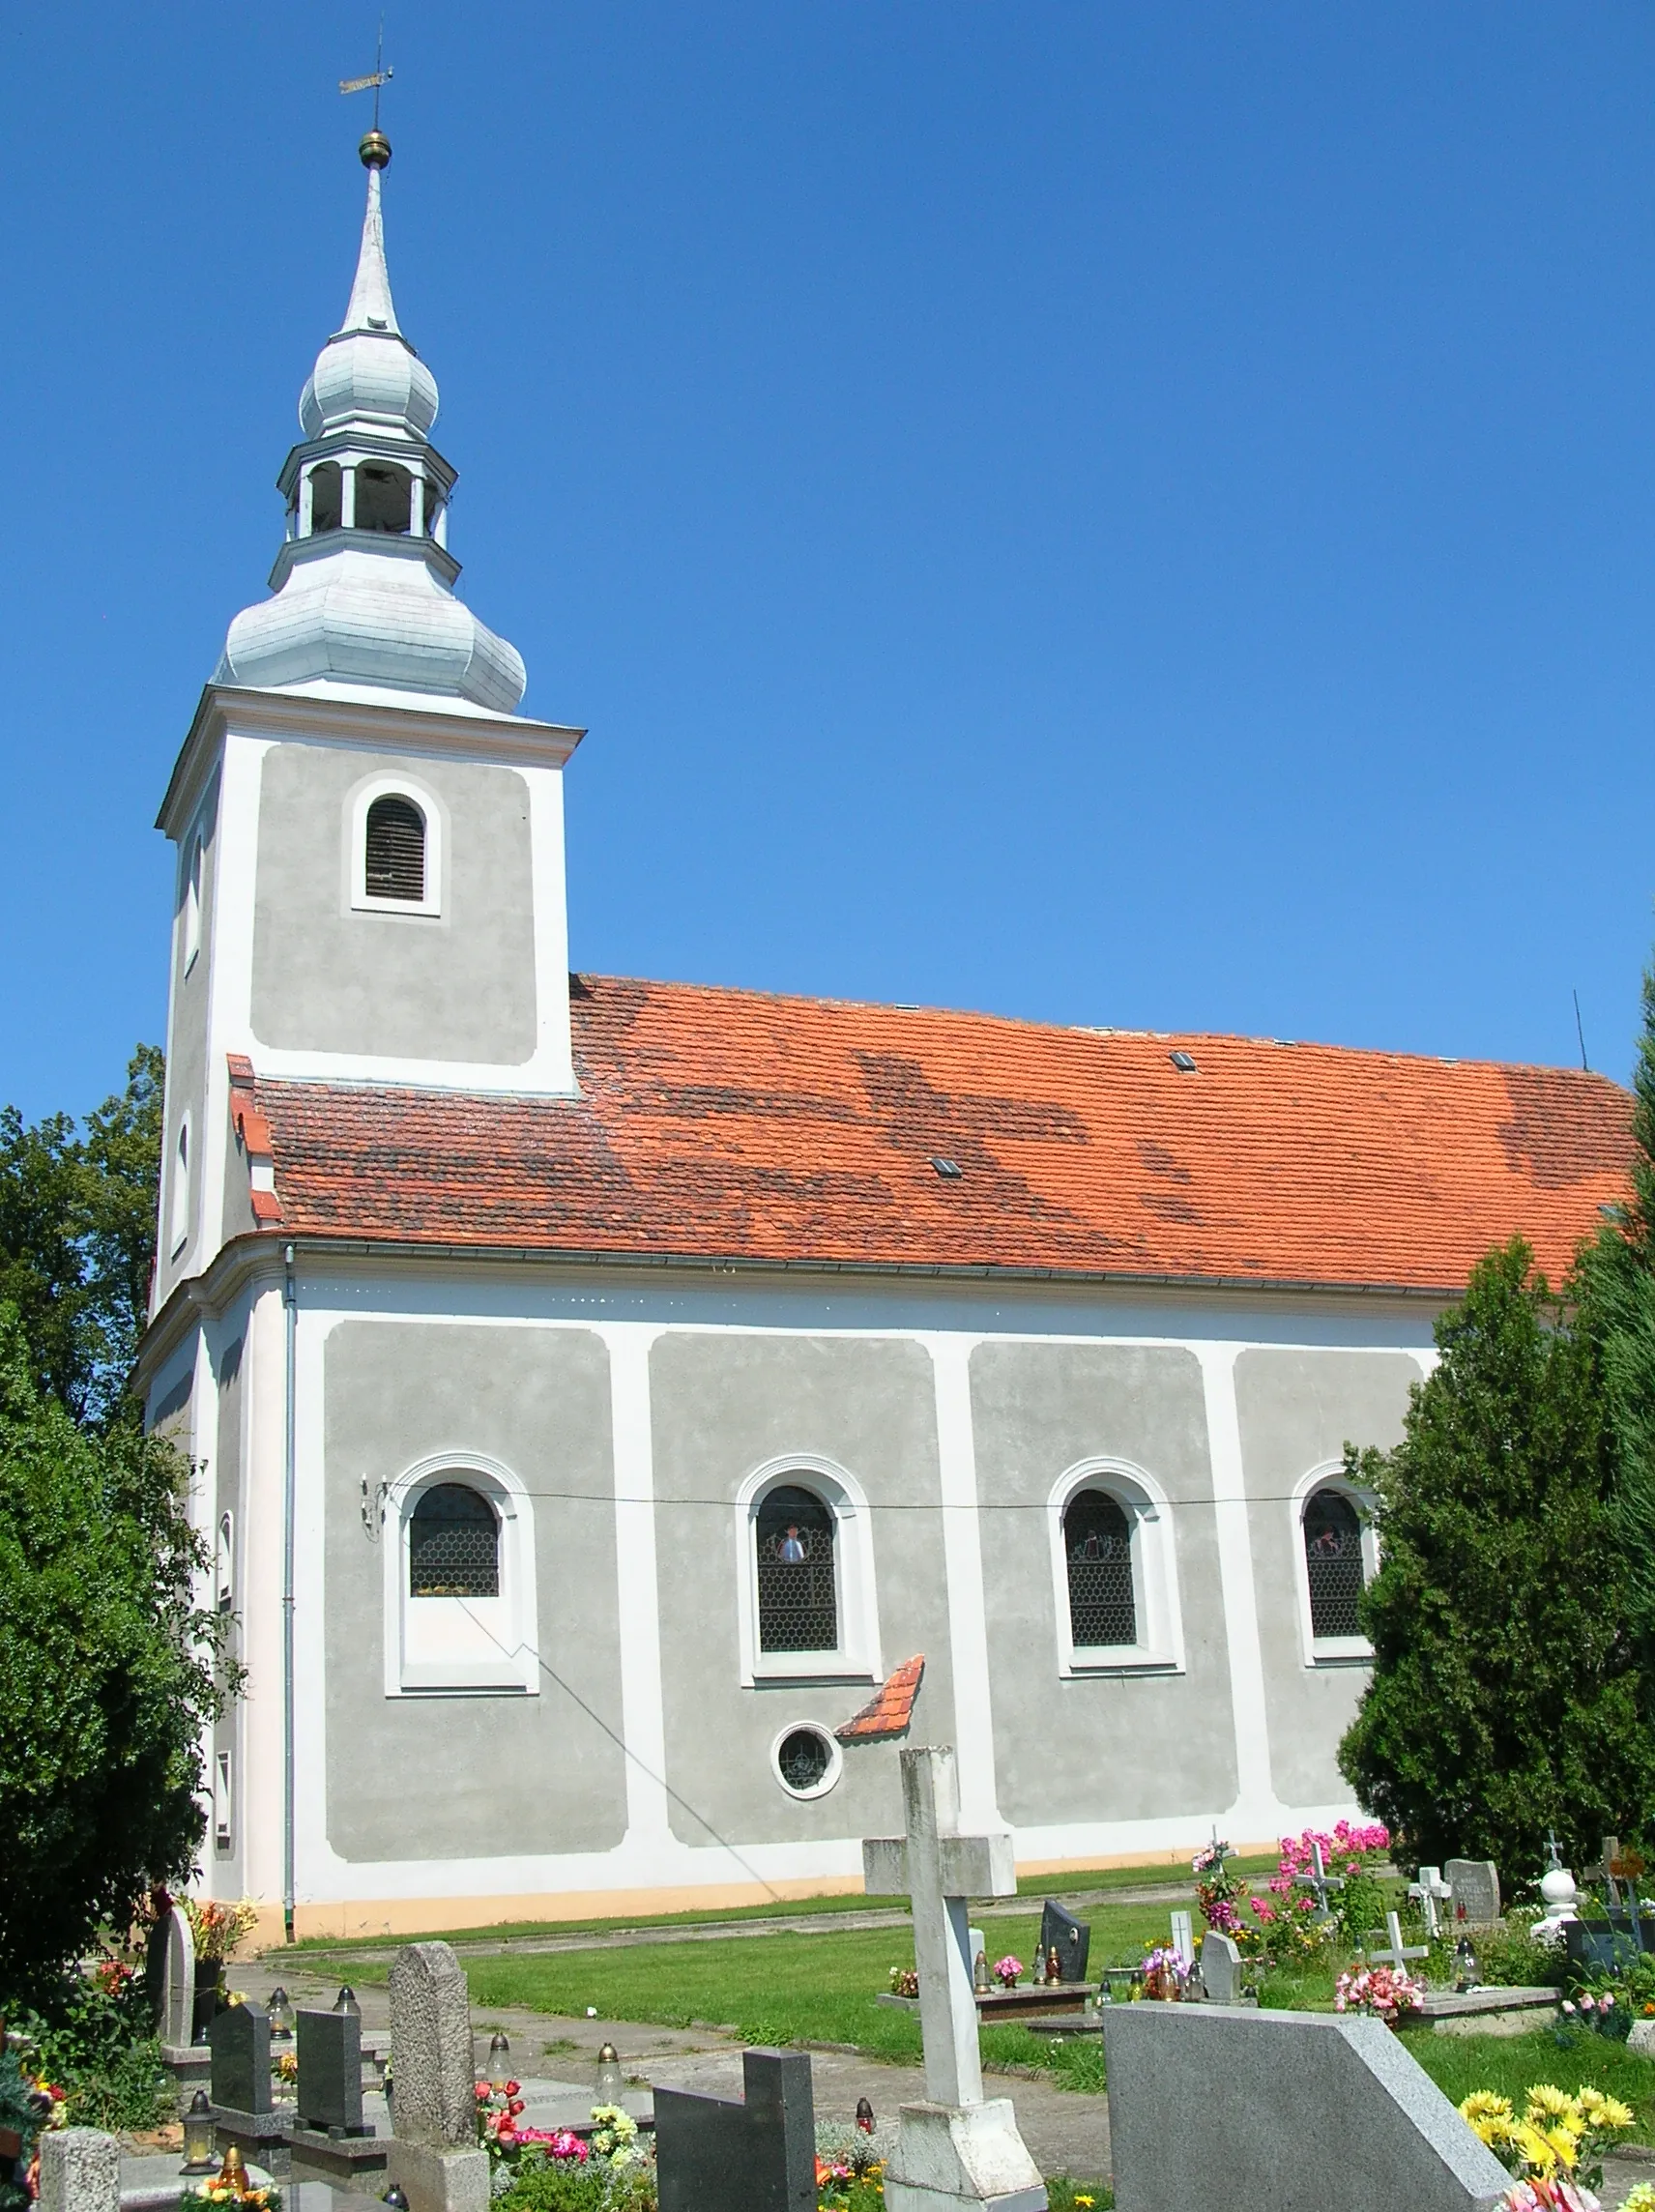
(370, 841)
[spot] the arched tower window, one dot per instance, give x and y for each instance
(1333, 1563)
(395, 866)
(798, 1605)
(453, 1547)
(384, 498)
(1097, 1545)
(327, 497)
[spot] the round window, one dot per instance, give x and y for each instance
(806, 1761)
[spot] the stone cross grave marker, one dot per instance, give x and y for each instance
(1474, 1884)
(1604, 1870)
(1429, 1892)
(330, 2072)
(169, 1976)
(1069, 1938)
(240, 2041)
(433, 2158)
(1220, 1969)
(1397, 1953)
(80, 2172)
(1183, 1941)
(1320, 1882)
(955, 2148)
(752, 2153)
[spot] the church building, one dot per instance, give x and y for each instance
(600, 1392)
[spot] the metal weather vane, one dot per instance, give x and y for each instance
(378, 77)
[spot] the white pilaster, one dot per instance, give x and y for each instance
(962, 1553)
(1255, 1811)
(643, 1705)
(259, 1789)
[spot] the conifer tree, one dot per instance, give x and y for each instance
(1505, 1699)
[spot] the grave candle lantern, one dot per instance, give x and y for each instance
(499, 2058)
(280, 2013)
(346, 2001)
(198, 2135)
(611, 2083)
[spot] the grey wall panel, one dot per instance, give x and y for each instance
(1096, 1748)
(1298, 1408)
(186, 1061)
(474, 1776)
(459, 986)
(722, 1405)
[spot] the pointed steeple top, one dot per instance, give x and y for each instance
(370, 307)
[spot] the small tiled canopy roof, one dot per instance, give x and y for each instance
(723, 1125)
(889, 1710)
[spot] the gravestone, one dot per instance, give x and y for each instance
(1303, 2111)
(80, 2172)
(1220, 1969)
(1319, 1882)
(1473, 1892)
(1069, 1938)
(169, 1978)
(957, 2148)
(1431, 1892)
(330, 2071)
(1183, 1940)
(434, 2157)
(242, 2111)
(1396, 1953)
(239, 2043)
(755, 2153)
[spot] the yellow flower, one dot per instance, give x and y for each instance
(1565, 2144)
(1553, 2102)
(1484, 2105)
(1087, 2201)
(1601, 2112)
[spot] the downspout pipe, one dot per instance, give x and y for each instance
(289, 1497)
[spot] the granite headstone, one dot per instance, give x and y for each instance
(752, 2154)
(239, 2039)
(330, 2071)
(1069, 1938)
(1220, 1969)
(1473, 1892)
(1302, 2112)
(431, 2057)
(80, 2172)
(169, 1978)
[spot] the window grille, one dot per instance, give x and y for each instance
(1097, 1543)
(453, 1544)
(799, 1609)
(803, 1759)
(1333, 1563)
(396, 850)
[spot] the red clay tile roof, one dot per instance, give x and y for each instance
(723, 1125)
(889, 1711)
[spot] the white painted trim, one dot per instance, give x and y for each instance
(835, 1760)
(358, 799)
(1329, 1651)
(264, 1358)
(1160, 1646)
(638, 1618)
(962, 1557)
(514, 1664)
(856, 1656)
(1255, 1811)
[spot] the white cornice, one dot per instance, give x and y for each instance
(322, 719)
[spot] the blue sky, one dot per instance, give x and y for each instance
(1111, 515)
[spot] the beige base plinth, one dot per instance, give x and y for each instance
(949, 2157)
(439, 2180)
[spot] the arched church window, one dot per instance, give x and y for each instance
(396, 850)
(798, 1607)
(327, 497)
(453, 1547)
(384, 498)
(1097, 1545)
(1333, 1563)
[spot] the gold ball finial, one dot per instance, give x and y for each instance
(375, 150)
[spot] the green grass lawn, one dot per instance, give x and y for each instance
(1068, 1885)
(1512, 2064)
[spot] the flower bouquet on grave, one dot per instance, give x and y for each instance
(229, 2188)
(615, 2137)
(904, 1982)
(1223, 1897)
(217, 1928)
(1558, 2142)
(1007, 1969)
(1385, 1991)
(1164, 1974)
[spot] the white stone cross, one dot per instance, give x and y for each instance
(942, 1871)
(1183, 1942)
(1398, 1952)
(1430, 1891)
(1320, 1880)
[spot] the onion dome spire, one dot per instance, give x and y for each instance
(363, 583)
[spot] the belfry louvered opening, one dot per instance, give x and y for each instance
(395, 851)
